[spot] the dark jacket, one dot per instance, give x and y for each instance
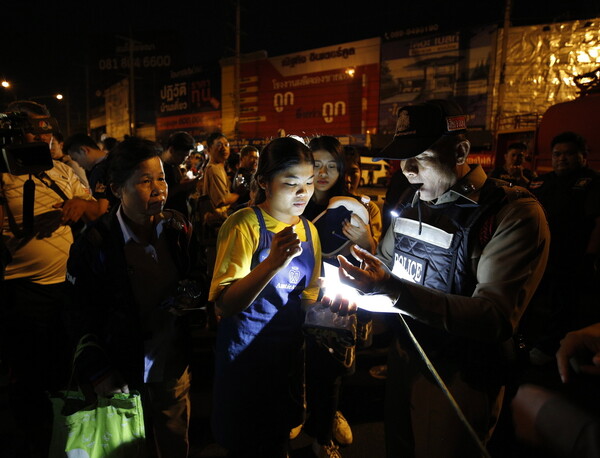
(103, 302)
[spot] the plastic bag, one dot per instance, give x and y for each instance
(113, 427)
(333, 332)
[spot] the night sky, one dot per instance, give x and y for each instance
(46, 45)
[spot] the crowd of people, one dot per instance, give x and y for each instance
(491, 285)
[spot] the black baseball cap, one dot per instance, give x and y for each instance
(420, 125)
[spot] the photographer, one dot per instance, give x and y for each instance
(33, 340)
(129, 275)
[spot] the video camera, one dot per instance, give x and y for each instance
(17, 156)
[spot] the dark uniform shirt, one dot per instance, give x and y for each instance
(566, 299)
(100, 183)
(572, 204)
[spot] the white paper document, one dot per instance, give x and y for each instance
(377, 303)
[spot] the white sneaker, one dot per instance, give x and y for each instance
(295, 432)
(330, 450)
(342, 433)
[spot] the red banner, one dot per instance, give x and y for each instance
(321, 92)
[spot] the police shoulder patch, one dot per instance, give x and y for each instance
(582, 183)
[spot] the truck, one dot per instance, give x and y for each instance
(579, 115)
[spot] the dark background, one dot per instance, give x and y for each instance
(47, 46)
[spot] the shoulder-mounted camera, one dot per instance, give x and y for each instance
(17, 156)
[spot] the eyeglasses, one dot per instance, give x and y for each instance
(329, 165)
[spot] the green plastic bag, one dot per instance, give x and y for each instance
(113, 427)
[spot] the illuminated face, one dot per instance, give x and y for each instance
(144, 193)
(435, 170)
(566, 158)
(250, 161)
(219, 150)
(289, 191)
(513, 157)
(326, 170)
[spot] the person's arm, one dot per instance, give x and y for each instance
(81, 205)
(230, 198)
(547, 421)
(218, 189)
(75, 209)
(243, 291)
(508, 272)
(581, 343)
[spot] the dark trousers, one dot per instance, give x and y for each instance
(35, 349)
(168, 408)
(419, 420)
(323, 382)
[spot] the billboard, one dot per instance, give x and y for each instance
(148, 56)
(326, 91)
(429, 62)
(117, 109)
(189, 100)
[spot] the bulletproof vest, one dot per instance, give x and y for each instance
(432, 247)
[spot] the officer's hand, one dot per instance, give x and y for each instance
(584, 341)
(366, 278)
(284, 247)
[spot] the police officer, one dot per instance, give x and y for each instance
(567, 297)
(461, 262)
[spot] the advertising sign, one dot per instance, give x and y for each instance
(326, 91)
(148, 56)
(117, 109)
(190, 100)
(431, 63)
